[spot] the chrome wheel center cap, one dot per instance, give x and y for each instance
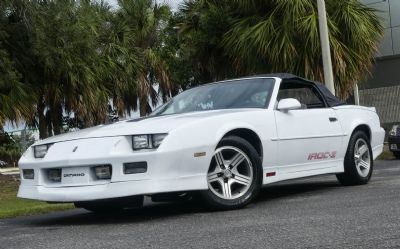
(227, 173)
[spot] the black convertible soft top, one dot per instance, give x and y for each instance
(330, 99)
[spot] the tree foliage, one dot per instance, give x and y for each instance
(143, 22)
(242, 37)
(67, 63)
(76, 56)
(10, 152)
(15, 102)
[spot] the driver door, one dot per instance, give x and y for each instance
(308, 138)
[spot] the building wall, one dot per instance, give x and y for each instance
(389, 12)
(382, 88)
(386, 100)
(386, 72)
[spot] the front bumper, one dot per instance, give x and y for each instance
(168, 170)
(111, 190)
(394, 143)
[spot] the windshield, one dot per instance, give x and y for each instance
(246, 93)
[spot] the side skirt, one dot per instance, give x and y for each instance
(281, 173)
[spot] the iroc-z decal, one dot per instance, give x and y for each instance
(322, 155)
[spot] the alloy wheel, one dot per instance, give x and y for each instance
(230, 174)
(362, 157)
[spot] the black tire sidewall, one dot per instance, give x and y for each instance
(351, 175)
(218, 203)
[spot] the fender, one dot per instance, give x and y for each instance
(226, 128)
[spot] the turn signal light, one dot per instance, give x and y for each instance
(28, 174)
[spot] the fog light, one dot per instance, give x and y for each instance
(103, 172)
(28, 174)
(54, 175)
(135, 168)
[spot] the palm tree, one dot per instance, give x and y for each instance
(141, 23)
(57, 50)
(260, 36)
(15, 102)
(76, 56)
(202, 26)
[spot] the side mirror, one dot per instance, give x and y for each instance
(288, 104)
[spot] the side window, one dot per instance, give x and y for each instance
(306, 94)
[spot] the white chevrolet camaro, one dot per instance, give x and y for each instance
(223, 140)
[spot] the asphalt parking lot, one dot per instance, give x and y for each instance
(309, 213)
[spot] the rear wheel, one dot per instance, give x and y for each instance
(358, 162)
(235, 175)
(396, 154)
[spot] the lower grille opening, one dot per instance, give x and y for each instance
(135, 168)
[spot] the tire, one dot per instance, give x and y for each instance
(396, 154)
(111, 206)
(235, 178)
(358, 162)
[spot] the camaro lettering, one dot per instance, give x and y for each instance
(74, 175)
(321, 155)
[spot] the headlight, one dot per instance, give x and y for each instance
(157, 139)
(41, 150)
(393, 131)
(140, 142)
(153, 141)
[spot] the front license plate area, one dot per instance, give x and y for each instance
(75, 176)
(393, 146)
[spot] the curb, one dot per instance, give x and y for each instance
(9, 171)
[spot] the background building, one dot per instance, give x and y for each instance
(382, 89)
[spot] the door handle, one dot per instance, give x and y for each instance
(332, 119)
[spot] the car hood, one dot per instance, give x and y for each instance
(147, 125)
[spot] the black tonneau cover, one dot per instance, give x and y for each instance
(330, 99)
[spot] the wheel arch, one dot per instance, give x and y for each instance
(250, 136)
(359, 127)
(364, 128)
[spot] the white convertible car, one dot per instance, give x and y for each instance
(224, 140)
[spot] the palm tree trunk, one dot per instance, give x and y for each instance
(56, 118)
(42, 119)
(143, 106)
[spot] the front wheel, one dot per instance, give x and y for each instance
(235, 174)
(396, 154)
(358, 162)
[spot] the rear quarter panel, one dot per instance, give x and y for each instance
(351, 117)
